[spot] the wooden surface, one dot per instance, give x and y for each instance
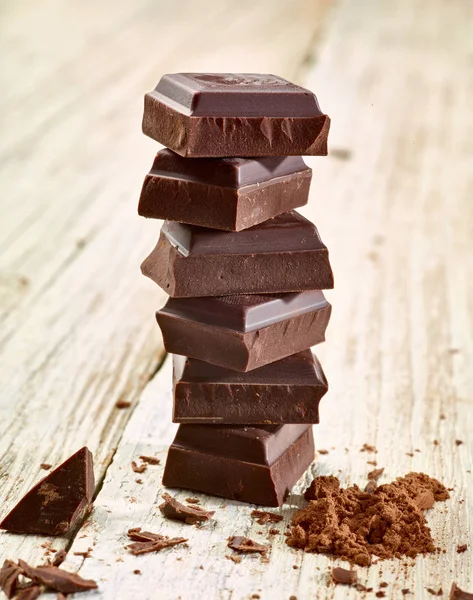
(392, 202)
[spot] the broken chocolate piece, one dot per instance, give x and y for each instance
(9, 574)
(57, 579)
(245, 332)
(376, 473)
(283, 254)
(264, 461)
(263, 517)
(234, 114)
(138, 468)
(457, 594)
(230, 194)
(246, 545)
(150, 542)
(172, 509)
(30, 592)
(58, 502)
(345, 576)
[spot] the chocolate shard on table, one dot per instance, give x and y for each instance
(250, 464)
(234, 114)
(58, 502)
(244, 332)
(227, 193)
(283, 254)
(286, 391)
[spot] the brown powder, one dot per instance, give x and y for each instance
(355, 525)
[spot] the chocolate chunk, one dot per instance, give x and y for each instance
(264, 462)
(229, 193)
(246, 546)
(150, 460)
(345, 576)
(57, 579)
(9, 574)
(457, 594)
(284, 254)
(234, 114)
(263, 517)
(145, 541)
(58, 502)
(285, 391)
(172, 509)
(462, 548)
(244, 332)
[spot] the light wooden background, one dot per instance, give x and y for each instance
(393, 201)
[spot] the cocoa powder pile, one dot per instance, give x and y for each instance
(356, 525)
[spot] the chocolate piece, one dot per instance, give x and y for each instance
(138, 468)
(58, 502)
(29, 593)
(246, 545)
(59, 558)
(173, 509)
(286, 391)
(244, 332)
(57, 579)
(262, 517)
(284, 254)
(376, 473)
(462, 548)
(234, 114)
(229, 193)
(345, 576)
(9, 574)
(150, 542)
(150, 460)
(457, 594)
(251, 464)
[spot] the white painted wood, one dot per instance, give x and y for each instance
(397, 218)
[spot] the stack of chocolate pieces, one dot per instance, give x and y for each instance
(244, 271)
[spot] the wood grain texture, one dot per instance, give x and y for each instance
(77, 329)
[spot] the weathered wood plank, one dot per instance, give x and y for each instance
(77, 331)
(393, 204)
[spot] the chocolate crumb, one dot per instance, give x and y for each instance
(150, 460)
(356, 526)
(373, 463)
(462, 548)
(263, 517)
(405, 591)
(380, 594)
(292, 597)
(140, 481)
(438, 592)
(173, 509)
(45, 466)
(273, 531)
(59, 558)
(442, 417)
(368, 448)
(458, 442)
(383, 584)
(246, 545)
(233, 557)
(137, 572)
(145, 541)
(85, 554)
(344, 576)
(457, 594)
(264, 559)
(371, 486)
(375, 473)
(256, 596)
(192, 500)
(435, 443)
(122, 404)
(322, 451)
(295, 566)
(138, 468)
(411, 454)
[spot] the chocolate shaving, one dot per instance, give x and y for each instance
(233, 557)
(344, 576)
(462, 548)
(263, 517)
(376, 473)
(244, 544)
(45, 466)
(150, 460)
(29, 593)
(57, 579)
(193, 500)
(322, 451)
(145, 541)
(138, 468)
(9, 574)
(173, 509)
(457, 594)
